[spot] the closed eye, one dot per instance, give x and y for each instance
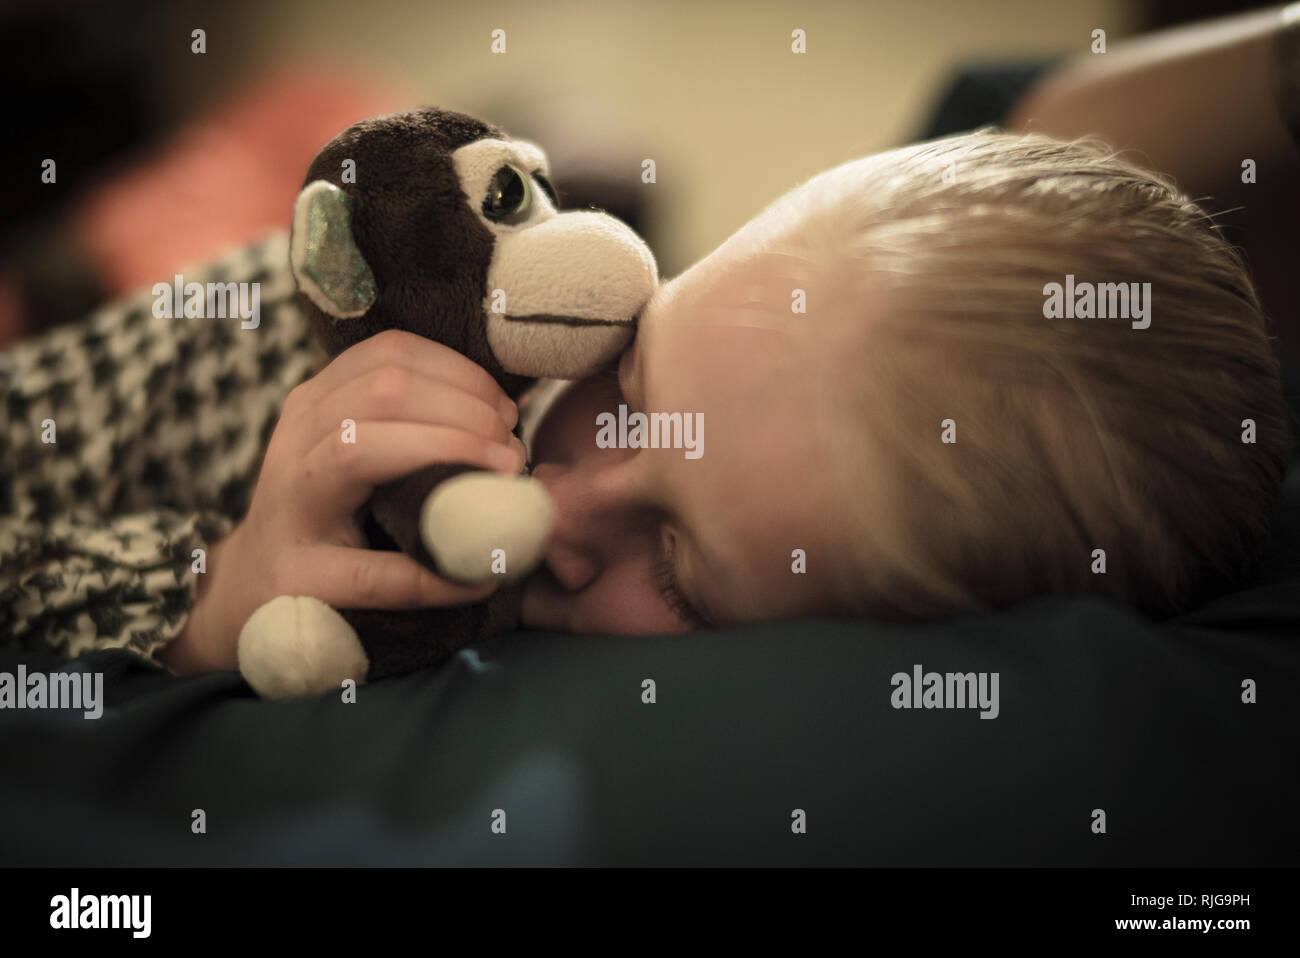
(666, 578)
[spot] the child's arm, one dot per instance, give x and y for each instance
(128, 442)
(408, 403)
(1193, 101)
(1197, 103)
(159, 428)
(79, 583)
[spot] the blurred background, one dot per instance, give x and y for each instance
(165, 156)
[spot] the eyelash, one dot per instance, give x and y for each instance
(672, 592)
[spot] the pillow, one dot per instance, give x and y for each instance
(551, 738)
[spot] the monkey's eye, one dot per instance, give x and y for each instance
(547, 188)
(509, 198)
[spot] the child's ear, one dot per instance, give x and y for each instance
(323, 253)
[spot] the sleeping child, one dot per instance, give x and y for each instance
(940, 379)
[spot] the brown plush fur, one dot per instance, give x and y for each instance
(429, 254)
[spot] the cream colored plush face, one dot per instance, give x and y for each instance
(563, 289)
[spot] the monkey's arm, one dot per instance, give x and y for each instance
(396, 507)
(467, 524)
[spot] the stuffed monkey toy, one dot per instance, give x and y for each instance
(446, 228)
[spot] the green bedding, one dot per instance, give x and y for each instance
(1097, 709)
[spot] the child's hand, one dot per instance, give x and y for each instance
(414, 403)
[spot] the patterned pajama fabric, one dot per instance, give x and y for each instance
(160, 427)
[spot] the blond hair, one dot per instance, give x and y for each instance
(1072, 435)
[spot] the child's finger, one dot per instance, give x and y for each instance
(398, 395)
(348, 578)
(342, 469)
(398, 349)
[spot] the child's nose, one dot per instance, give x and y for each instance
(587, 515)
(572, 568)
(570, 554)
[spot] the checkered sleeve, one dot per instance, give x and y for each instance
(131, 442)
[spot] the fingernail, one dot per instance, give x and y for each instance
(504, 458)
(523, 452)
(509, 411)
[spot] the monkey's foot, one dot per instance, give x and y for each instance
(296, 646)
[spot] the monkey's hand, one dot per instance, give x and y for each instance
(480, 526)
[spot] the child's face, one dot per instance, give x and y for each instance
(720, 345)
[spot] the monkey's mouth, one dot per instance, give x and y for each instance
(557, 345)
(551, 319)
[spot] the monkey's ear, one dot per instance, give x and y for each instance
(323, 253)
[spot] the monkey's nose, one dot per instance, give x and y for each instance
(574, 287)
